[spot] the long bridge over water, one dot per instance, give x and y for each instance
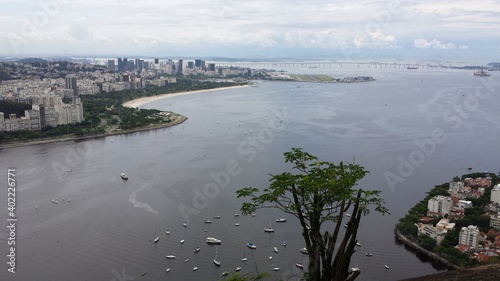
(326, 64)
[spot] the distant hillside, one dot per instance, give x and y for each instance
(480, 273)
(494, 64)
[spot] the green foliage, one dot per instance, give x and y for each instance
(315, 193)
(9, 107)
(426, 242)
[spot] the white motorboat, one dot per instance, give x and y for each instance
(281, 220)
(156, 239)
(182, 241)
(124, 176)
(212, 240)
(304, 251)
(251, 246)
(197, 249)
(238, 268)
(170, 257)
(299, 265)
(275, 250)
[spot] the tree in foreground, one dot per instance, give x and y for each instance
(322, 196)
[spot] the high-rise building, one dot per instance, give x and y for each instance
(495, 194)
(111, 65)
(180, 68)
(157, 61)
(469, 236)
(439, 205)
(197, 63)
(211, 67)
(190, 64)
(130, 65)
(71, 84)
(203, 67)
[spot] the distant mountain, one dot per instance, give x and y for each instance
(32, 60)
(494, 64)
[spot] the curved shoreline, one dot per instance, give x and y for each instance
(131, 103)
(181, 119)
(401, 238)
(144, 100)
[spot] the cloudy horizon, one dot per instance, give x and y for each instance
(344, 30)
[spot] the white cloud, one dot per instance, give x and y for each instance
(434, 44)
(463, 47)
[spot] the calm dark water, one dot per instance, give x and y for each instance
(233, 139)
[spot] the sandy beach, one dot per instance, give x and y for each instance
(144, 100)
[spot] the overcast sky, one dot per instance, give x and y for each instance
(342, 30)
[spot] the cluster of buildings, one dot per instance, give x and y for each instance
(45, 84)
(471, 240)
(171, 67)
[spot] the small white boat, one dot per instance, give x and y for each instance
(238, 268)
(275, 250)
(212, 240)
(236, 215)
(251, 246)
(124, 176)
(299, 265)
(195, 268)
(182, 241)
(386, 266)
(276, 268)
(304, 251)
(208, 221)
(170, 257)
(225, 273)
(368, 254)
(285, 243)
(270, 257)
(281, 220)
(268, 229)
(184, 224)
(236, 224)
(217, 217)
(358, 244)
(186, 260)
(156, 239)
(354, 269)
(168, 270)
(244, 259)
(216, 262)
(347, 215)
(197, 249)
(167, 232)
(346, 226)
(253, 215)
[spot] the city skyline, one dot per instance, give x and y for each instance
(400, 29)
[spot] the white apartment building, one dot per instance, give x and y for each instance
(469, 236)
(439, 205)
(495, 194)
(495, 222)
(456, 187)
